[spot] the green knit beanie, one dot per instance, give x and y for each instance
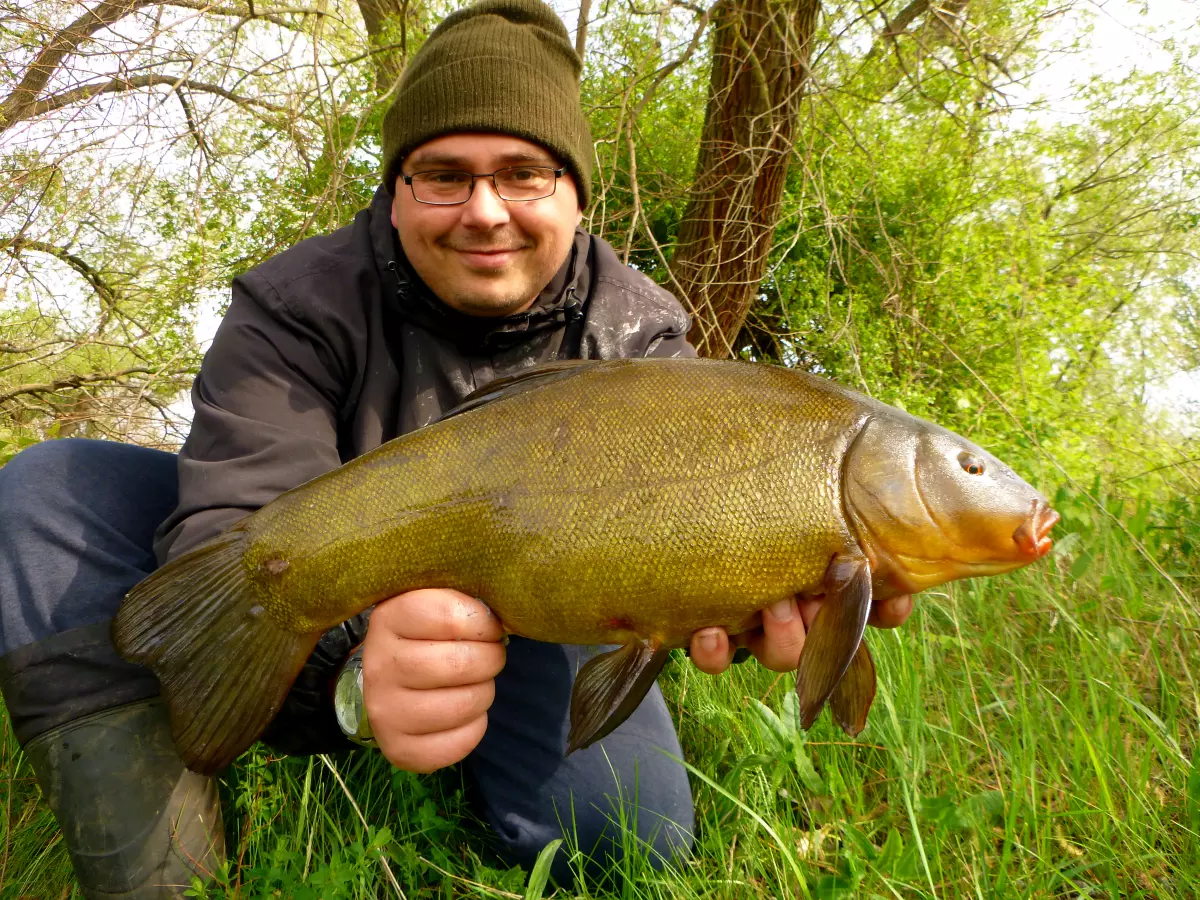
(502, 66)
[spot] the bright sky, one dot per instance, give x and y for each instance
(1125, 36)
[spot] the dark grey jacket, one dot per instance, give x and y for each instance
(335, 346)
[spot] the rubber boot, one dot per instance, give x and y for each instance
(137, 824)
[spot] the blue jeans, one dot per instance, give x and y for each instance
(77, 519)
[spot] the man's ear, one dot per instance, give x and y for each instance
(579, 217)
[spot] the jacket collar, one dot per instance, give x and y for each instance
(561, 301)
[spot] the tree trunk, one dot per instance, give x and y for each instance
(760, 68)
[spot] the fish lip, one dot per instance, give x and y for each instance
(1032, 536)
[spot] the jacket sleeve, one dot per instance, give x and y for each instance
(266, 406)
(671, 344)
(669, 338)
(266, 415)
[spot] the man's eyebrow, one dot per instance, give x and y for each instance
(457, 162)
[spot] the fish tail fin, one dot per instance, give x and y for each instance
(224, 666)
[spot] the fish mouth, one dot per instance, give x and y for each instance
(1032, 536)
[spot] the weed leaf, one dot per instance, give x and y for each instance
(541, 871)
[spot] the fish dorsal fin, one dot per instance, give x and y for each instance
(512, 385)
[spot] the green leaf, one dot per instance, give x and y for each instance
(889, 853)
(541, 870)
(1082, 564)
(768, 725)
(835, 887)
(962, 815)
(789, 713)
(858, 841)
(805, 768)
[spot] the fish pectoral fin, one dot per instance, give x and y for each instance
(609, 688)
(835, 636)
(224, 666)
(852, 697)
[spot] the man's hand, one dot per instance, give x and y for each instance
(777, 642)
(429, 661)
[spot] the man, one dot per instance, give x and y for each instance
(467, 266)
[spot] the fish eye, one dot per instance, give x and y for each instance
(971, 463)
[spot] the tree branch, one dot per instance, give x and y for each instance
(274, 16)
(581, 29)
(65, 42)
(10, 347)
(897, 27)
(74, 381)
(193, 125)
(136, 82)
(664, 71)
(103, 289)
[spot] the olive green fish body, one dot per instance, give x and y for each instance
(629, 502)
(580, 515)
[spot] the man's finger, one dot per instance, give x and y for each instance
(711, 650)
(783, 637)
(422, 665)
(438, 614)
(429, 752)
(891, 612)
(430, 712)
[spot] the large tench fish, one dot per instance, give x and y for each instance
(625, 502)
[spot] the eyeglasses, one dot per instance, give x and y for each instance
(449, 187)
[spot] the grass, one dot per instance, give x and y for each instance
(1035, 735)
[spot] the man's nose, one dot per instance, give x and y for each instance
(484, 208)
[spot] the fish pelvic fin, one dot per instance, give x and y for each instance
(609, 688)
(835, 636)
(224, 666)
(852, 697)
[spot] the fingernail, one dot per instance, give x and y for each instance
(782, 611)
(709, 641)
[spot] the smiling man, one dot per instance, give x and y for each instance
(468, 265)
(492, 256)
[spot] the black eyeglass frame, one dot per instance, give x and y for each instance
(408, 179)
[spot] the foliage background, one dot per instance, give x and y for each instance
(976, 223)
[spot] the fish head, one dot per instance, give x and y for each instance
(929, 506)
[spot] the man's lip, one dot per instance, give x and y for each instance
(487, 258)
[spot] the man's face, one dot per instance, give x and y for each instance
(485, 257)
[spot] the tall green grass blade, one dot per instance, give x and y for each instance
(1193, 794)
